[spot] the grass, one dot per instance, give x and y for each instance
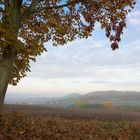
(18, 126)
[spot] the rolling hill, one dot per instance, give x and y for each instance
(93, 99)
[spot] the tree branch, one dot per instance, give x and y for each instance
(33, 5)
(1, 10)
(32, 9)
(6, 3)
(59, 6)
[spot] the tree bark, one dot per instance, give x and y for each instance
(6, 64)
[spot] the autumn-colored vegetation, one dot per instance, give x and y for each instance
(25, 25)
(17, 126)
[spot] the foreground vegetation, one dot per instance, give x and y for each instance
(17, 126)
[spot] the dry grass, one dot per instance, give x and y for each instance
(75, 113)
(18, 126)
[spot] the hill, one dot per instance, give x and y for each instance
(97, 99)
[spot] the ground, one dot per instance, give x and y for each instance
(44, 123)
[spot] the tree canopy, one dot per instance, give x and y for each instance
(26, 24)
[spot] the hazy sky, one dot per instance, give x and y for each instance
(87, 65)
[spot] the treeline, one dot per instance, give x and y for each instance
(104, 105)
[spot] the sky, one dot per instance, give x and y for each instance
(86, 65)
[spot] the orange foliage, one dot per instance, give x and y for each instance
(25, 26)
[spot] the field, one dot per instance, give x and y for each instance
(41, 123)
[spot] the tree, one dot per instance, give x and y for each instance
(108, 105)
(26, 24)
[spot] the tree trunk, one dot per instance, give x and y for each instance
(5, 73)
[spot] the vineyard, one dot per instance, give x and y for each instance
(18, 126)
